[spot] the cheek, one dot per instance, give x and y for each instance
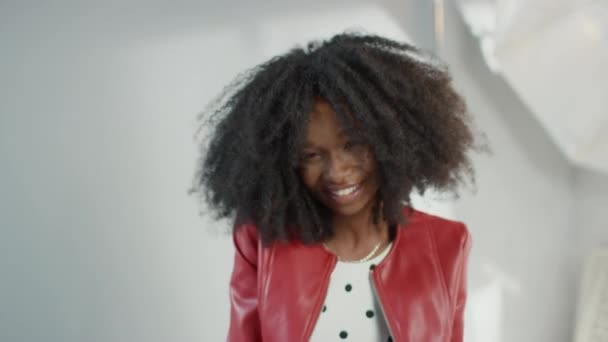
(310, 176)
(370, 168)
(368, 163)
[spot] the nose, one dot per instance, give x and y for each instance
(338, 168)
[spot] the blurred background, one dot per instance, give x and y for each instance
(101, 242)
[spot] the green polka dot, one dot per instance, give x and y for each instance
(343, 334)
(369, 313)
(390, 339)
(324, 308)
(372, 266)
(348, 287)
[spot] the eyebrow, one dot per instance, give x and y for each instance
(308, 145)
(346, 133)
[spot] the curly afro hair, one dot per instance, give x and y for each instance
(399, 100)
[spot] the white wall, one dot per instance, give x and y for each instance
(100, 241)
(591, 195)
(97, 115)
(523, 269)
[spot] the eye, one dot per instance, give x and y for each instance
(350, 145)
(307, 156)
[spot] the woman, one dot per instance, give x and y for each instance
(316, 152)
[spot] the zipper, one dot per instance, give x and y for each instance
(388, 324)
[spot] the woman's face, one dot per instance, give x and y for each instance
(339, 172)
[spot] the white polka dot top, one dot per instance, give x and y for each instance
(351, 311)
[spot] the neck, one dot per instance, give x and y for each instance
(359, 230)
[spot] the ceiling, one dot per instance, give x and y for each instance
(554, 53)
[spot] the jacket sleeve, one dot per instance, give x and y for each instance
(244, 318)
(460, 286)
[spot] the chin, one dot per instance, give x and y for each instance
(352, 209)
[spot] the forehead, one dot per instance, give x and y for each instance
(323, 125)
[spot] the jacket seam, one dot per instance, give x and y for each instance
(263, 281)
(463, 242)
(457, 282)
(439, 269)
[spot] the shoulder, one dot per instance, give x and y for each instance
(446, 234)
(246, 240)
(245, 232)
(449, 242)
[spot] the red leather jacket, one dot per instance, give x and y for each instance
(277, 292)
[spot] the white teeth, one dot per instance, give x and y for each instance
(344, 192)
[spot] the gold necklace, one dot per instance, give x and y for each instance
(364, 259)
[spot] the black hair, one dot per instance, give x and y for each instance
(400, 99)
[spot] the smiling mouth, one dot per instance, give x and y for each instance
(345, 194)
